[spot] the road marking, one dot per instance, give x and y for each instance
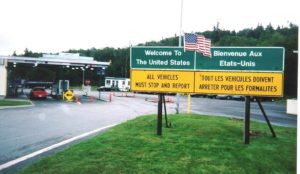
(23, 158)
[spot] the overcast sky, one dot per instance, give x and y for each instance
(60, 25)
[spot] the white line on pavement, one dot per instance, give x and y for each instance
(23, 158)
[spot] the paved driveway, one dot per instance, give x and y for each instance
(24, 130)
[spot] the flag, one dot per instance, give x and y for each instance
(190, 42)
(198, 43)
(204, 45)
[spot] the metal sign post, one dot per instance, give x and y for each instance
(247, 121)
(159, 115)
(247, 71)
(266, 117)
(168, 125)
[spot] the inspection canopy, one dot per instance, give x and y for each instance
(64, 59)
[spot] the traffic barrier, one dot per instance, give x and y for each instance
(155, 100)
(124, 94)
(91, 99)
(169, 100)
(76, 99)
(110, 96)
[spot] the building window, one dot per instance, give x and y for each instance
(123, 82)
(108, 82)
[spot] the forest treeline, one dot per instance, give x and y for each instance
(280, 36)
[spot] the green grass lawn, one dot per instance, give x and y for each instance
(194, 144)
(9, 102)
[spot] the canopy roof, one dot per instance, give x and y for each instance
(57, 60)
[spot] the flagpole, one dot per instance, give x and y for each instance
(180, 27)
(180, 32)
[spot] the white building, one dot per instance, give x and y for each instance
(3, 77)
(123, 84)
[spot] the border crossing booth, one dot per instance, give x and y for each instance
(72, 61)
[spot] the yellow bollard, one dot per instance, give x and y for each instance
(189, 104)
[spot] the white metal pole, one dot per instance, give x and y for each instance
(298, 109)
(82, 77)
(180, 27)
(180, 32)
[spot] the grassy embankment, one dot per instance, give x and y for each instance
(9, 102)
(195, 144)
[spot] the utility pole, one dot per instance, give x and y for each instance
(179, 41)
(298, 110)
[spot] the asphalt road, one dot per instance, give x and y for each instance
(25, 130)
(276, 112)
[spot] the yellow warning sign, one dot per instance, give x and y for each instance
(69, 95)
(162, 81)
(239, 83)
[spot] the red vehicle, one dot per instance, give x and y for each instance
(38, 92)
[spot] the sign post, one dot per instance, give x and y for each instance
(159, 115)
(247, 121)
(239, 83)
(266, 118)
(68, 95)
(247, 71)
(162, 81)
(242, 59)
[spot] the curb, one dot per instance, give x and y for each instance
(13, 107)
(19, 106)
(54, 146)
